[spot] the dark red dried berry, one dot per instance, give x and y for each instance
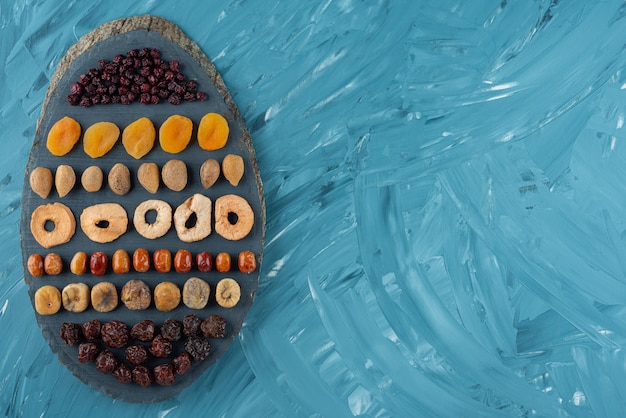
(174, 99)
(172, 330)
(95, 99)
(160, 347)
(76, 88)
(201, 96)
(213, 327)
(191, 325)
(106, 362)
(102, 63)
(144, 98)
(198, 348)
(115, 334)
(191, 86)
(73, 99)
(84, 79)
(91, 89)
(135, 89)
(143, 331)
(118, 59)
(181, 363)
(180, 77)
(164, 374)
(142, 376)
(131, 96)
(91, 329)
(133, 53)
(85, 102)
(145, 88)
(155, 53)
(189, 97)
(105, 99)
(154, 99)
(175, 65)
(70, 333)
(136, 354)
(115, 99)
(87, 352)
(125, 81)
(122, 90)
(123, 374)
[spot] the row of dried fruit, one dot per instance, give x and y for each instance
(116, 335)
(136, 295)
(98, 263)
(173, 175)
(139, 137)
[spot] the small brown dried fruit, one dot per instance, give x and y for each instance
(41, 181)
(233, 167)
(92, 178)
(136, 295)
(174, 175)
(209, 172)
(78, 264)
(149, 177)
(52, 264)
(119, 179)
(64, 179)
(35, 265)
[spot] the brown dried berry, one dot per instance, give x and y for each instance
(87, 352)
(191, 325)
(136, 354)
(98, 263)
(182, 261)
(213, 327)
(162, 260)
(198, 348)
(91, 329)
(142, 376)
(143, 331)
(204, 261)
(172, 330)
(114, 334)
(141, 260)
(123, 374)
(52, 264)
(222, 262)
(164, 374)
(106, 362)
(120, 262)
(182, 363)
(35, 265)
(160, 347)
(70, 333)
(246, 262)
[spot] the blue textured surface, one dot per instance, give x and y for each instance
(445, 196)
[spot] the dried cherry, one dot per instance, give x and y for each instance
(213, 327)
(114, 334)
(161, 347)
(136, 354)
(172, 330)
(123, 374)
(106, 362)
(164, 374)
(91, 329)
(87, 352)
(182, 363)
(191, 325)
(198, 348)
(143, 331)
(70, 333)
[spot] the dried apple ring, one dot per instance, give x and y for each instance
(234, 217)
(160, 226)
(104, 222)
(62, 218)
(200, 206)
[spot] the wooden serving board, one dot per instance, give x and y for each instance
(119, 37)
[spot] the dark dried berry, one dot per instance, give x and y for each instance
(133, 53)
(160, 347)
(106, 362)
(172, 330)
(143, 331)
(198, 348)
(123, 374)
(191, 325)
(118, 59)
(155, 53)
(189, 97)
(73, 99)
(84, 79)
(91, 89)
(105, 99)
(115, 99)
(70, 333)
(87, 352)
(85, 101)
(76, 88)
(201, 96)
(136, 354)
(115, 334)
(182, 363)
(145, 88)
(122, 90)
(191, 86)
(131, 96)
(125, 81)
(91, 329)
(102, 63)
(144, 98)
(95, 99)
(175, 65)
(180, 77)
(174, 99)
(213, 327)
(154, 99)
(164, 374)
(142, 376)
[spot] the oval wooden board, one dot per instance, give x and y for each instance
(118, 37)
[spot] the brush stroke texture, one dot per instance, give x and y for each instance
(445, 188)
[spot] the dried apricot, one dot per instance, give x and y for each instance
(212, 132)
(175, 134)
(138, 137)
(100, 138)
(63, 135)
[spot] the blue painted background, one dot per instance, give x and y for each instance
(446, 194)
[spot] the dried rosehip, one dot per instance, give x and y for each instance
(114, 334)
(204, 261)
(182, 363)
(164, 374)
(222, 262)
(35, 265)
(141, 260)
(87, 352)
(136, 354)
(246, 262)
(91, 329)
(142, 376)
(98, 263)
(182, 261)
(123, 374)
(213, 327)
(172, 330)
(162, 260)
(70, 333)
(198, 348)
(52, 264)
(106, 362)
(120, 262)
(143, 331)
(191, 325)
(161, 347)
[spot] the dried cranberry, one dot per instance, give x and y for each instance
(106, 362)
(136, 354)
(155, 53)
(198, 348)
(84, 79)
(164, 374)
(191, 325)
(70, 333)
(118, 59)
(191, 86)
(174, 99)
(189, 97)
(142, 376)
(115, 334)
(125, 81)
(182, 363)
(91, 329)
(201, 96)
(95, 99)
(143, 331)
(169, 75)
(175, 65)
(123, 374)
(115, 99)
(172, 330)
(154, 99)
(133, 53)
(180, 77)
(145, 88)
(91, 89)
(105, 99)
(144, 98)
(73, 99)
(85, 102)
(135, 89)
(87, 352)
(213, 327)
(76, 88)
(131, 96)
(102, 63)
(122, 90)
(160, 347)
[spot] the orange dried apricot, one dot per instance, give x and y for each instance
(99, 138)
(212, 132)
(175, 134)
(138, 137)
(63, 135)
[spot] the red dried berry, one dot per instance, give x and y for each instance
(143, 331)
(161, 347)
(91, 329)
(87, 352)
(123, 374)
(106, 362)
(70, 333)
(136, 354)
(115, 334)
(98, 263)
(204, 261)
(182, 363)
(164, 374)
(142, 376)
